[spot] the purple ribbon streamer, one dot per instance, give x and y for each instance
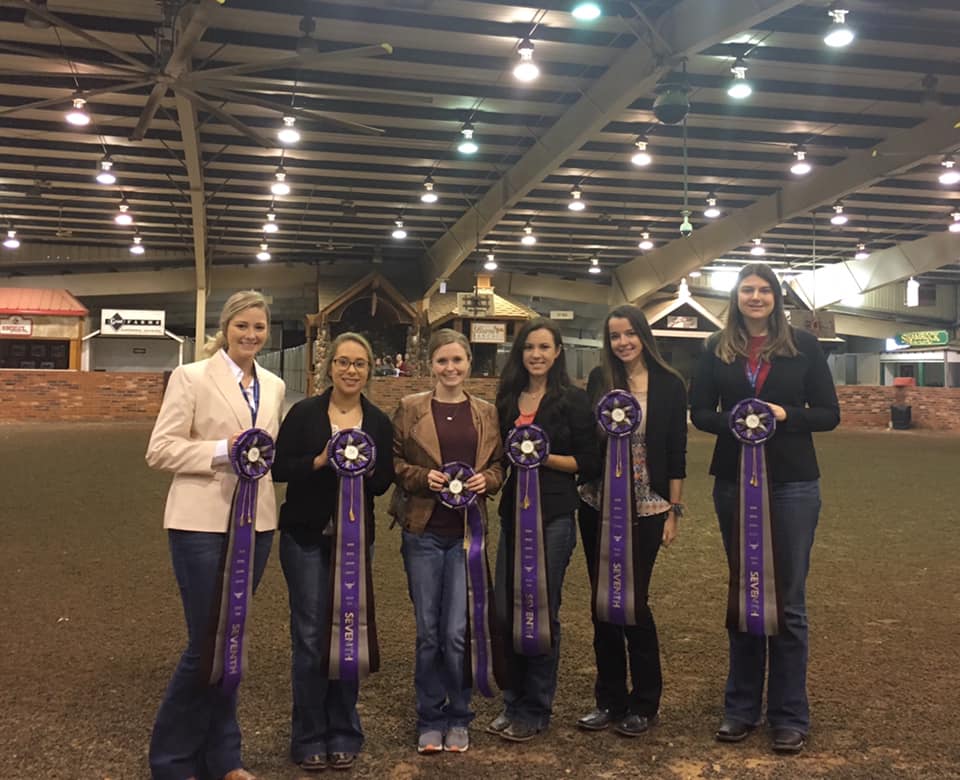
(250, 457)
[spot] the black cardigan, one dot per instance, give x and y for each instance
(802, 385)
(312, 495)
(568, 423)
(666, 432)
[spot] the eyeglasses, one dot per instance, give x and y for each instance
(344, 363)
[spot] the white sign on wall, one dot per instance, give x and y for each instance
(561, 314)
(488, 332)
(16, 326)
(132, 322)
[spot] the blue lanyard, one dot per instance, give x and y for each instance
(753, 374)
(256, 398)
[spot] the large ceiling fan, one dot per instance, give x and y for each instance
(210, 89)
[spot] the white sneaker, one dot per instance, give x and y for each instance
(457, 740)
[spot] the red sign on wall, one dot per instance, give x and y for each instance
(16, 326)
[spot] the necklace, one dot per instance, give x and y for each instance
(458, 405)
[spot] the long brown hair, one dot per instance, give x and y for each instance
(734, 340)
(614, 370)
(515, 377)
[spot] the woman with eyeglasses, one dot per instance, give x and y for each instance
(326, 728)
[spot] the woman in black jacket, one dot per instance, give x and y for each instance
(632, 362)
(535, 388)
(325, 728)
(758, 355)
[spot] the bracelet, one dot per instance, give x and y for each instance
(677, 510)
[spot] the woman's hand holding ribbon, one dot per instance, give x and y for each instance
(476, 484)
(779, 413)
(323, 459)
(436, 480)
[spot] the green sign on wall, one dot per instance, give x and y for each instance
(923, 338)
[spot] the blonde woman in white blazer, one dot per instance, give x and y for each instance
(206, 406)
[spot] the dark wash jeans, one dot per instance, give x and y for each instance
(796, 508)
(324, 717)
(532, 680)
(614, 645)
(196, 733)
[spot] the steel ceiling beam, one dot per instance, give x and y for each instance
(901, 151)
(688, 28)
(834, 283)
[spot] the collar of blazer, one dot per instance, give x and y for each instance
(230, 389)
(423, 431)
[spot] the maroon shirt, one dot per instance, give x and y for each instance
(458, 441)
(756, 346)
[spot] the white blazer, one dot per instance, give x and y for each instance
(203, 404)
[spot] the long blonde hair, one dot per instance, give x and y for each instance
(236, 303)
(734, 341)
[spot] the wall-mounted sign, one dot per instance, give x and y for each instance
(488, 332)
(821, 324)
(475, 305)
(561, 314)
(923, 338)
(131, 322)
(682, 322)
(16, 326)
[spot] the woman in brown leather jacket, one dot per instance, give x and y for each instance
(431, 429)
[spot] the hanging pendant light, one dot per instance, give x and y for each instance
(646, 244)
(428, 195)
(11, 241)
(757, 250)
(686, 227)
(78, 116)
(739, 88)
(264, 254)
(280, 186)
(491, 263)
(576, 202)
(137, 248)
(955, 225)
(950, 174)
(838, 218)
(839, 33)
(862, 253)
(586, 11)
(528, 238)
(271, 226)
(106, 175)
(467, 145)
(526, 69)
(288, 134)
(399, 232)
(711, 211)
(641, 158)
(800, 166)
(123, 216)
(595, 266)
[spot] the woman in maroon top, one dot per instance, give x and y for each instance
(430, 429)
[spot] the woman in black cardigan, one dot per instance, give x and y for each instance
(535, 388)
(326, 728)
(758, 355)
(631, 361)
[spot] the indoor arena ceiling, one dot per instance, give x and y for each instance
(186, 98)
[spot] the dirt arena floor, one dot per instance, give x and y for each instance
(91, 625)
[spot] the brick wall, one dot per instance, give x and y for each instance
(75, 396)
(386, 391)
(866, 406)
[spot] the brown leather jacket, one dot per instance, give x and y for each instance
(416, 450)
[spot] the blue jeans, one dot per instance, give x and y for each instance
(196, 731)
(795, 507)
(437, 579)
(324, 718)
(532, 680)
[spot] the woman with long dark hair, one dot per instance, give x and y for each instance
(631, 361)
(758, 355)
(325, 727)
(535, 389)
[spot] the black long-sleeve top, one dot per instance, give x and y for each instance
(802, 385)
(569, 424)
(312, 495)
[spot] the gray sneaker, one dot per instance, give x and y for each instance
(499, 724)
(430, 742)
(456, 740)
(520, 732)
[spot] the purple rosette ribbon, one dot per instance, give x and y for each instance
(251, 457)
(456, 496)
(351, 652)
(527, 446)
(614, 600)
(753, 603)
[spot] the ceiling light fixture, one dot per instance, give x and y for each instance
(576, 200)
(288, 134)
(839, 33)
(78, 116)
(428, 195)
(280, 186)
(686, 228)
(695, 274)
(271, 226)
(398, 232)
(739, 87)
(124, 217)
(641, 158)
(800, 166)
(264, 254)
(595, 265)
(950, 174)
(586, 12)
(11, 241)
(467, 145)
(711, 211)
(528, 238)
(955, 225)
(526, 70)
(862, 253)
(137, 247)
(838, 218)
(106, 176)
(645, 243)
(491, 263)
(757, 249)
